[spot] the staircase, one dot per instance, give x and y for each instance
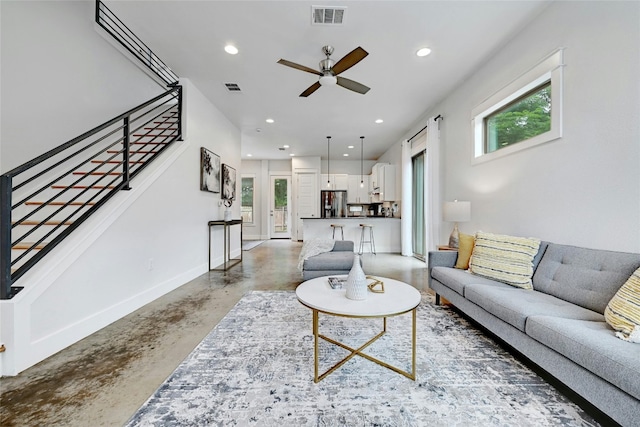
(45, 199)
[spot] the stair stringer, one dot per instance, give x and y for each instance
(22, 349)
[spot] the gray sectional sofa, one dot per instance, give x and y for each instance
(559, 325)
(336, 262)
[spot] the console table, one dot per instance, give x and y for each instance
(228, 262)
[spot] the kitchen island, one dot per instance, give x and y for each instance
(386, 231)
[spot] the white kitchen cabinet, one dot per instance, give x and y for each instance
(383, 183)
(337, 181)
(355, 193)
(387, 179)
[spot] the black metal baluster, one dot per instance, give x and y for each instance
(179, 113)
(5, 236)
(125, 162)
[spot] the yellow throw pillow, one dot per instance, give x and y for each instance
(623, 311)
(503, 258)
(464, 251)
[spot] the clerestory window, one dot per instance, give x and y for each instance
(523, 114)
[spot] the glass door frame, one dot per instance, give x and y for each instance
(419, 223)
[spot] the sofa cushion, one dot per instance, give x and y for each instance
(506, 259)
(343, 245)
(335, 260)
(623, 311)
(586, 277)
(458, 279)
(593, 346)
(514, 305)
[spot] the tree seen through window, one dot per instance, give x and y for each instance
(520, 120)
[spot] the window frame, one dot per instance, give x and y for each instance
(253, 198)
(548, 70)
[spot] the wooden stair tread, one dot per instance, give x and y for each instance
(60, 203)
(45, 223)
(27, 245)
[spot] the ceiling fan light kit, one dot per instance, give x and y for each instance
(329, 71)
(328, 80)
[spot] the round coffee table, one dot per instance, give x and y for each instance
(398, 298)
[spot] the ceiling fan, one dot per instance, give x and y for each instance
(329, 71)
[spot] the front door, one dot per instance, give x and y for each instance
(280, 203)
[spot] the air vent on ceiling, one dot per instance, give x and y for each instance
(328, 15)
(233, 87)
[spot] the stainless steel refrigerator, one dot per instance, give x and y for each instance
(333, 204)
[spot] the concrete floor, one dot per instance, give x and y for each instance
(103, 379)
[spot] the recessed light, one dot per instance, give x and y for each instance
(249, 155)
(346, 154)
(285, 146)
(379, 121)
(231, 49)
(423, 52)
(351, 146)
(291, 154)
(270, 121)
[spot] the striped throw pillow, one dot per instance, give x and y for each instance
(503, 258)
(623, 311)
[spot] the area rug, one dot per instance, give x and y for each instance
(255, 368)
(247, 245)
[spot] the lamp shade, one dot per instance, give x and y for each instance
(456, 211)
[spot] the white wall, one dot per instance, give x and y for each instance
(56, 84)
(583, 189)
(350, 167)
(141, 244)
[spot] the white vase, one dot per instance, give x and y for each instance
(356, 281)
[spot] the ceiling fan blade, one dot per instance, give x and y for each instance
(299, 67)
(314, 87)
(349, 60)
(351, 85)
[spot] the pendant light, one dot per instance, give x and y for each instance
(328, 161)
(361, 161)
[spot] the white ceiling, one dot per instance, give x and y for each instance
(190, 36)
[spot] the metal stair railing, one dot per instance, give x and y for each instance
(48, 197)
(119, 31)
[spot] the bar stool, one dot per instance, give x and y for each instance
(371, 241)
(341, 227)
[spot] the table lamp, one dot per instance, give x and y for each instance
(456, 212)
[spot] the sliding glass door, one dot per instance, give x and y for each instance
(419, 224)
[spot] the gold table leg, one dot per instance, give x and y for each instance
(317, 378)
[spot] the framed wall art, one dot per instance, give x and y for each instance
(228, 182)
(209, 171)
